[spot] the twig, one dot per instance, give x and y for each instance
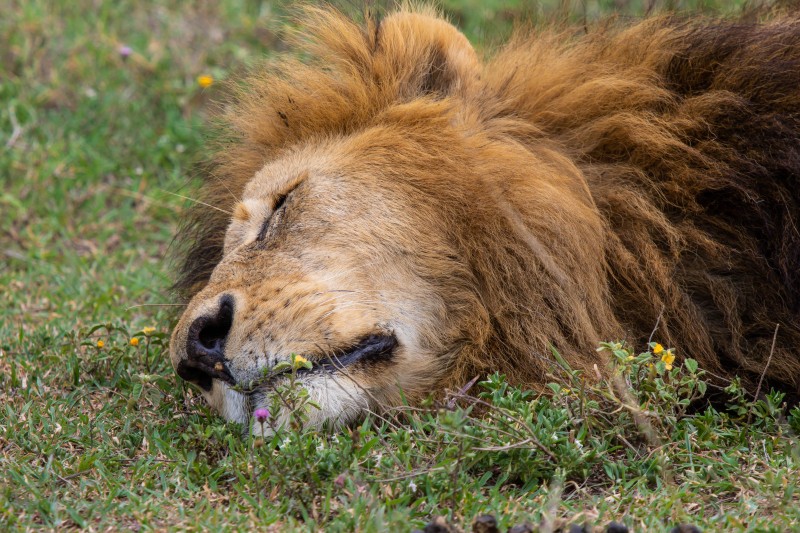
(769, 360)
(17, 131)
(655, 328)
(451, 404)
(454, 475)
(507, 447)
(628, 444)
(407, 475)
(522, 423)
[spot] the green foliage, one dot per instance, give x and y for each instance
(94, 147)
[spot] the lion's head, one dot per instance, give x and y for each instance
(365, 236)
(407, 216)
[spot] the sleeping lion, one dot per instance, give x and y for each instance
(408, 215)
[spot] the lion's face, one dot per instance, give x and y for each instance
(332, 256)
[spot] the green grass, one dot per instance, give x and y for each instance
(92, 148)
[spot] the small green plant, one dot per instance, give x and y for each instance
(289, 396)
(654, 381)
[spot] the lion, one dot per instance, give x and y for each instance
(407, 214)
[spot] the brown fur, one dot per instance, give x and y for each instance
(567, 191)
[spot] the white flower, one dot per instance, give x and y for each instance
(412, 486)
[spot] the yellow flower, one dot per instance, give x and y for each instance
(299, 361)
(100, 344)
(148, 331)
(205, 81)
(134, 342)
(657, 349)
(668, 358)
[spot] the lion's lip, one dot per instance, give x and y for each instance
(374, 348)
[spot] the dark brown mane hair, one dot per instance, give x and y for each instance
(686, 131)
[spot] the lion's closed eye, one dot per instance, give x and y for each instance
(280, 201)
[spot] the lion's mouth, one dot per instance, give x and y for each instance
(371, 349)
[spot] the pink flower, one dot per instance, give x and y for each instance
(125, 51)
(262, 415)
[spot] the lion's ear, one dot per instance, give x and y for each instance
(424, 54)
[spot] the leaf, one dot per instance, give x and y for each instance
(561, 360)
(282, 366)
(691, 365)
(137, 390)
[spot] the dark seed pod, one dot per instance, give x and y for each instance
(616, 527)
(485, 523)
(686, 528)
(522, 528)
(438, 525)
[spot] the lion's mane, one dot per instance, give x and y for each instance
(686, 132)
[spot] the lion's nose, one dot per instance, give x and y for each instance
(205, 347)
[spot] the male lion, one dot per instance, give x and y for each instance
(408, 216)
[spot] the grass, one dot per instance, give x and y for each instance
(94, 148)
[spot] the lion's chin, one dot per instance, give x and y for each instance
(341, 401)
(230, 404)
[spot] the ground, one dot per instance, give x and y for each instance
(102, 108)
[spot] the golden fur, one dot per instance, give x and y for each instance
(569, 190)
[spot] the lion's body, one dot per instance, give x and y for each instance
(622, 184)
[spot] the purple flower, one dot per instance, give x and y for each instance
(124, 51)
(262, 415)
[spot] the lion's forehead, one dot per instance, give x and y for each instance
(283, 174)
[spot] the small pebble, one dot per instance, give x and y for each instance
(522, 528)
(616, 527)
(438, 525)
(575, 528)
(686, 528)
(485, 523)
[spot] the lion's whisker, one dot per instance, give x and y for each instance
(197, 202)
(154, 305)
